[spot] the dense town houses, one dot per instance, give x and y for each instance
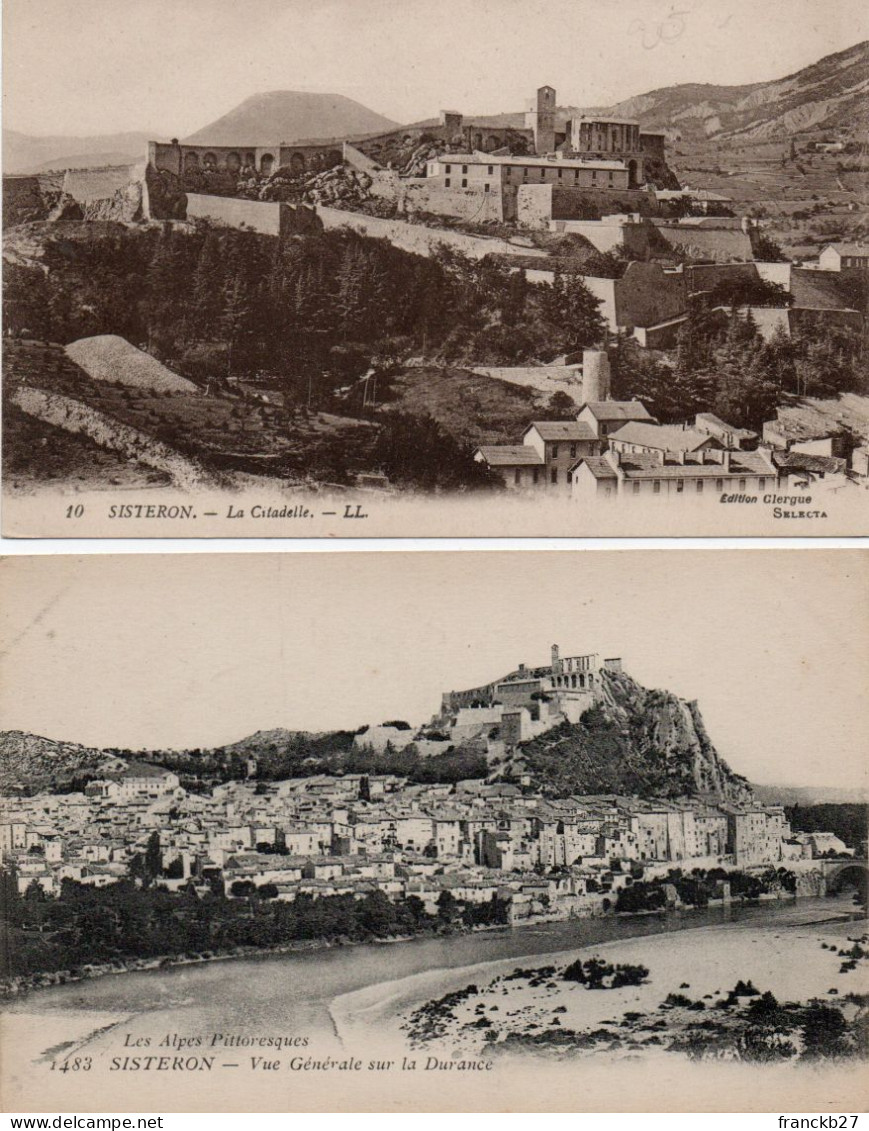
(473, 840)
(356, 833)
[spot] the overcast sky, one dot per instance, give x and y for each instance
(172, 66)
(200, 649)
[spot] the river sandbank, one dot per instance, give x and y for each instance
(529, 1006)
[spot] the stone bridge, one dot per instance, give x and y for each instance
(843, 872)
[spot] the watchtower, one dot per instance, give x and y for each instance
(540, 118)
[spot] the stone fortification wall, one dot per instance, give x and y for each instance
(646, 295)
(359, 160)
(574, 203)
(719, 245)
(89, 185)
(537, 205)
(609, 233)
(270, 219)
(706, 276)
(419, 239)
(177, 158)
(453, 701)
(603, 289)
(465, 204)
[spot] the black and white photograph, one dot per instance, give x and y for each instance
(497, 831)
(367, 268)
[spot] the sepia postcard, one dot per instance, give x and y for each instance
(367, 268)
(460, 831)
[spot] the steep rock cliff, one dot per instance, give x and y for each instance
(633, 741)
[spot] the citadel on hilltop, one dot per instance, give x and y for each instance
(459, 167)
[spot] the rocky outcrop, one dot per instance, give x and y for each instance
(633, 741)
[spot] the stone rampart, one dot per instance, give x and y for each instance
(88, 185)
(268, 218)
(465, 204)
(420, 239)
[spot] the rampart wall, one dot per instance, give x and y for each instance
(537, 205)
(465, 204)
(644, 296)
(269, 218)
(179, 158)
(719, 245)
(418, 238)
(86, 185)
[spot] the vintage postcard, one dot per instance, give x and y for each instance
(463, 831)
(367, 268)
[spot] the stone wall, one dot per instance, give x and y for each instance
(420, 239)
(536, 205)
(464, 204)
(717, 245)
(269, 218)
(177, 158)
(646, 295)
(87, 185)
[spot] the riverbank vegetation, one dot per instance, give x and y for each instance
(48, 940)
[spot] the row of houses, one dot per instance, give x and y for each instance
(618, 448)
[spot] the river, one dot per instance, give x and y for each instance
(337, 1001)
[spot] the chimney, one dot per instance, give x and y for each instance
(554, 655)
(521, 669)
(726, 461)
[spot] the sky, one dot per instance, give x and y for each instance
(152, 651)
(170, 67)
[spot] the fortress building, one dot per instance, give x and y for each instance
(567, 679)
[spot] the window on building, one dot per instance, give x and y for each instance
(542, 173)
(446, 182)
(570, 477)
(560, 174)
(555, 451)
(699, 486)
(573, 451)
(447, 168)
(680, 485)
(576, 174)
(486, 188)
(742, 484)
(536, 474)
(517, 476)
(719, 484)
(464, 168)
(491, 170)
(656, 486)
(635, 487)
(593, 175)
(554, 475)
(761, 484)
(464, 182)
